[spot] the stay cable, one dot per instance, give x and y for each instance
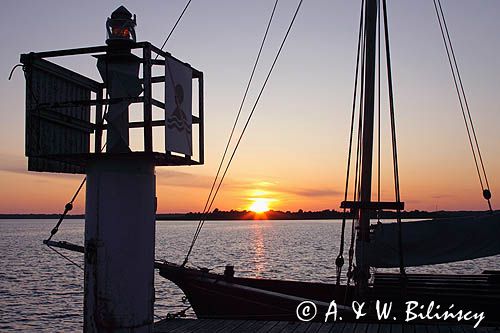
(245, 126)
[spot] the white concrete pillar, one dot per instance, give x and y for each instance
(119, 245)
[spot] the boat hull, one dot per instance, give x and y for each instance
(219, 296)
(225, 297)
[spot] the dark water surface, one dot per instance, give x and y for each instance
(42, 292)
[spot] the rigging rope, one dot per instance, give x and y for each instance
(378, 112)
(69, 205)
(464, 105)
(173, 28)
(352, 274)
(394, 141)
(67, 208)
(339, 262)
(202, 221)
(357, 184)
(65, 257)
(206, 209)
(13, 69)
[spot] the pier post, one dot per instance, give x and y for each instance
(120, 210)
(119, 246)
(120, 203)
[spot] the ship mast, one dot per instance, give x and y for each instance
(364, 204)
(370, 32)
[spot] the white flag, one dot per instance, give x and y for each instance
(178, 105)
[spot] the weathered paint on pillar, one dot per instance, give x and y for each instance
(119, 246)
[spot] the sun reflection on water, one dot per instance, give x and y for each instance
(259, 249)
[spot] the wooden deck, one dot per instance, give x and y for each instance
(247, 326)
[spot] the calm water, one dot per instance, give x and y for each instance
(40, 291)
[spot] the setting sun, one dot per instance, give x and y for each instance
(259, 205)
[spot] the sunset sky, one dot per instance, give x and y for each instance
(295, 150)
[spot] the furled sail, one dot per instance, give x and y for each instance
(435, 241)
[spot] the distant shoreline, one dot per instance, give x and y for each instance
(270, 215)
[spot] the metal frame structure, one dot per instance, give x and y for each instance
(75, 161)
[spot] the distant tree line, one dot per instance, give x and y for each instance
(300, 214)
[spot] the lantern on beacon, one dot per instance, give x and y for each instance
(120, 27)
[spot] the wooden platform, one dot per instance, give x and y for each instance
(478, 293)
(247, 326)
